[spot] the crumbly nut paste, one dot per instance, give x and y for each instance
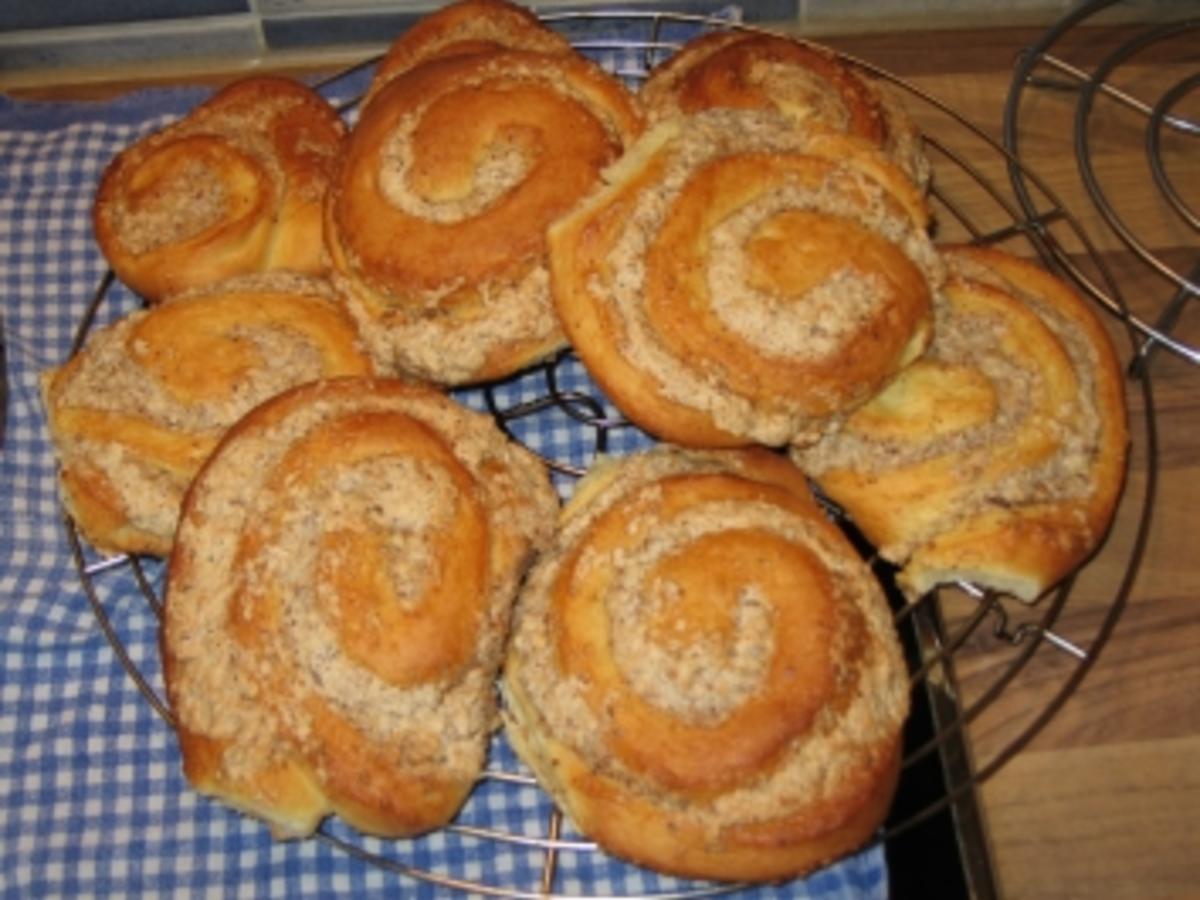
(120, 373)
(696, 678)
(804, 94)
(904, 142)
(502, 166)
(254, 701)
(806, 97)
(693, 678)
(975, 341)
(780, 327)
(450, 345)
(448, 332)
(832, 312)
(194, 197)
(185, 202)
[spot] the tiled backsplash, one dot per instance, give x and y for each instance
(74, 13)
(88, 35)
(290, 24)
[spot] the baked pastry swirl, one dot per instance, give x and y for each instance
(468, 26)
(736, 281)
(437, 218)
(999, 457)
(337, 603)
(134, 414)
(234, 187)
(806, 82)
(703, 674)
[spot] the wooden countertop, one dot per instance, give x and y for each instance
(1105, 800)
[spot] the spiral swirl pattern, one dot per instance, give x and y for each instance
(999, 457)
(703, 673)
(437, 219)
(135, 413)
(337, 603)
(739, 282)
(805, 82)
(235, 187)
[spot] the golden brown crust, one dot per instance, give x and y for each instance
(436, 222)
(703, 673)
(234, 187)
(134, 414)
(804, 81)
(468, 26)
(337, 603)
(737, 282)
(1000, 457)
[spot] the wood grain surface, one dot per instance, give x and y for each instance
(1105, 800)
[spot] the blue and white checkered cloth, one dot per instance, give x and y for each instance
(93, 799)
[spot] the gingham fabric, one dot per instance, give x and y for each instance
(92, 797)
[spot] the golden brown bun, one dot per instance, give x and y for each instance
(234, 187)
(804, 81)
(703, 674)
(736, 281)
(337, 603)
(437, 218)
(998, 458)
(469, 26)
(135, 413)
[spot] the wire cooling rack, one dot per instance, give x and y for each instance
(935, 817)
(1160, 113)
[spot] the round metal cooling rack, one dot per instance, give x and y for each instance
(1098, 91)
(936, 811)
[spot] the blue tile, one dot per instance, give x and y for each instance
(234, 37)
(751, 11)
(288, 7)
(312, 29)
(632, 28)
(15, 14)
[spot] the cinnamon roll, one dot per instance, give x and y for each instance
(235, 187)
(806, 82)
(337, 602)
(736, 281)
(468, 26)
(135, 413)
(998, 458)
(703, 674)
(436, 221)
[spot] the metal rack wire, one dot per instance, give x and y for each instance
(1097, 88)
(941, 773)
